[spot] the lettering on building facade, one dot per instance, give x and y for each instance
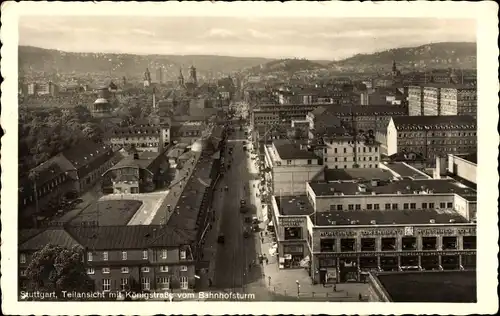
(403, 231)
(393, 254)
(291, 222)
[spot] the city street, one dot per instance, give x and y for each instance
(234, 257)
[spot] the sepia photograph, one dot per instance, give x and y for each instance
(249, 158)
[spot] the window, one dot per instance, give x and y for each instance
(90, 271)
(368, 244)
(469, 242)
(339, 207)
(413, 206)
(22, 258)
(347, 244)
(105, 256)
(409, 243)
(90, 257)
(23, 272)
(184, 283)
(431, 205)
(388, 244)
(105, 270)
(345, 150)
(184, 268)
(145, 269)
(124, 255)
(429, 243)
(369, 206)
(106, 285)
(442, 205)
(293, 233)
(124, 284)
(449, 205)
(405, 206)
(124, 269)
(163, 283)
(449, 243)
(183, 255)
(309, 161)
(327, 244)
(163, 268)
(424, 206)
(358, 206)
(376, 206)
(145, 255)
(388, 206)
(146, 284)
(350, 207)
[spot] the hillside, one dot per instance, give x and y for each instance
(437, 55)
(51, 61)
(286, 65)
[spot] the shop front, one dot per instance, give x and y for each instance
(469, 261)
(327, 270)
(348, 269)
(293, 255)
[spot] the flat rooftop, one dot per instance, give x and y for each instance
(386, 217)
(357, 174)
(294, 205)
(430, 286)
(405, 171)
(288, 150)
(405, 186)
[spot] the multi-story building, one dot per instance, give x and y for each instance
(459, 100)
(342, 230)
(141, 258)
(137, 173)
(430, 136)
(43, 88)
(442, 99)
(290, 165)
(144, 136)
(271, 114)
(432, 101)
(341, 152)
(415, 100)
(187, 131)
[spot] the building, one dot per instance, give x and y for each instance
(144, 136)
(137, 258)
(290, 165)
(187, 131)
(147, 78)
(138, 172)
(462, 168)
(340, 231)
(74, 170)
(272, 114)
(43, 88)
(442, 99)
(430, 136)
(101, 106)
(343, 152)
(426, 287)
(415, 100)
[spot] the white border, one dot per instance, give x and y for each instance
(485, 13)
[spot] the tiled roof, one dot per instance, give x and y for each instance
(137, 130)
(434, 122)
(56, 236)
(84, 152)
(127, 237)
(289, 151)
(25, 234)
(145, 160)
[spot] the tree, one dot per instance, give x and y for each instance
(55, 268)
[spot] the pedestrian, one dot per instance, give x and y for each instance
(335, 287)
(267, 261)
(262, 239)
(360, 297)
(209, 282)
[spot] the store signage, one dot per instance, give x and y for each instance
(393, 254)
(436, 231)
(337, 233)
(363, 233)
(291, 221)
(293, 249)
(467, 231)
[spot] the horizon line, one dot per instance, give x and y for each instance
(256, 57)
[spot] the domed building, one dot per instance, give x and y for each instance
(101, 106)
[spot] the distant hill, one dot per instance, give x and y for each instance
(50, 60)
(437, 55)
(287, 65)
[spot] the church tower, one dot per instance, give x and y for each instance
(192, 75)
(147, 78)
(180, 78)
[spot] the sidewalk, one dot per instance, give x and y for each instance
(283, 283)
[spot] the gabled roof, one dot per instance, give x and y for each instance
(84, 152)
(57, 236)
(434, 122)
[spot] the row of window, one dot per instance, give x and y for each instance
(126, 270)
(335, 150)
(364, 166)
(390, 244)
(145, 255)
(162, 282)
(437, 134)
(391, 206)
(437, 142)
(364, 158)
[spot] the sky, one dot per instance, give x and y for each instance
(326, 38)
